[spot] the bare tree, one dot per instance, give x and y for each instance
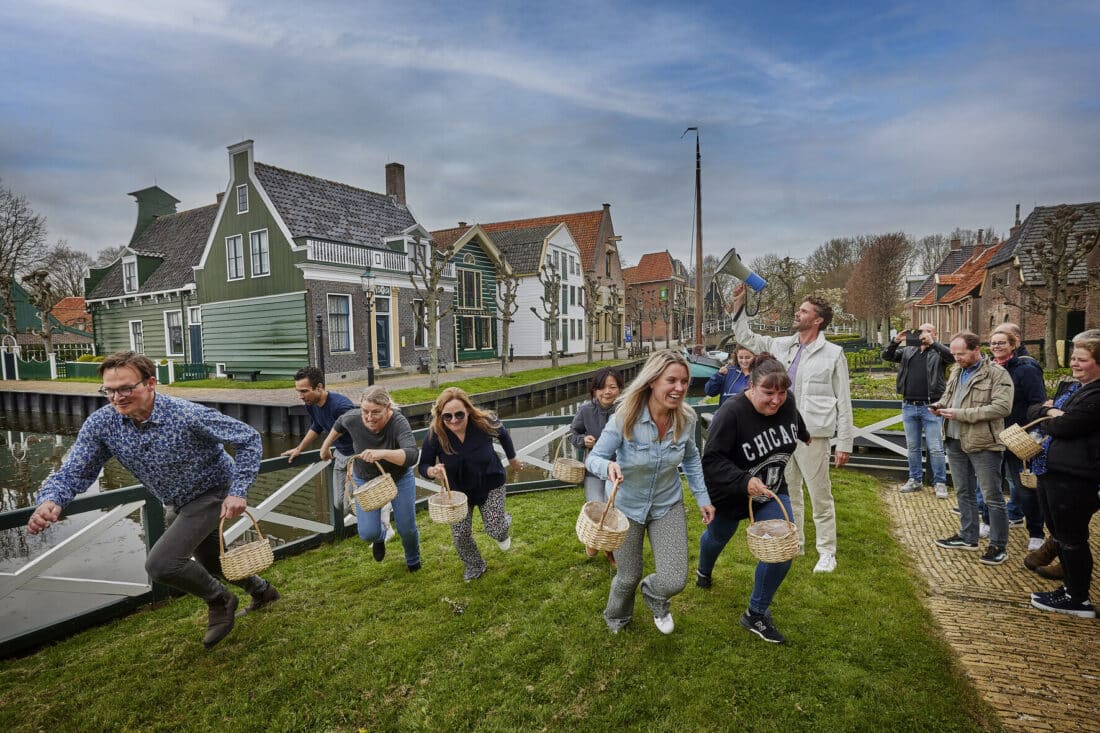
(507, 293)
(22, 243)
(831, 264)
(786, 284)
(551, 306)
(428, 263)
(614, 300)
(108, 255)
(43, 296)
(874, 288)
(653, 314)
(67, 268)
(928, 252)
(592, 300)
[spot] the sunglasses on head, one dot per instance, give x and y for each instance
(453, 416)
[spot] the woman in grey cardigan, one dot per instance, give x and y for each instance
(587, 425)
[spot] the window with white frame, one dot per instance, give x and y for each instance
(580, 329)
(173, 333)
(234, 257)
(339, 323)
(129, 275)
(137, 337)
(242, 199)
(261, 257)
(469, 289)
(194, 315)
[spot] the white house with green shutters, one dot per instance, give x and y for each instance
(145, 301)
(288, 251)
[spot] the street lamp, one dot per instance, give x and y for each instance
(368, 288)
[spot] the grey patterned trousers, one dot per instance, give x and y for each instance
(497, 524)
(669, 542)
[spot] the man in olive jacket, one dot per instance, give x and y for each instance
(974, 405)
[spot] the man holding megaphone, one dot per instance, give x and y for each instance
(819, 379)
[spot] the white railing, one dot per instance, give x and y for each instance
(336, 253)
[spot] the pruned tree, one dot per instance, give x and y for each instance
(22, 243)
(592, 298)
(67, 268)
(507, 306)
(668, 312)
(636, 313)
(550, 299)
(43, 295)
(428, 264)
(653, 314)
(614, 300)
(874, 288)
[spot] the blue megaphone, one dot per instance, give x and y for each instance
(731, 265)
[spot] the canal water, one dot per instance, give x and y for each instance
(32, 446)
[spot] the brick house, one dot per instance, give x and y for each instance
(954, 303)
(658, 298)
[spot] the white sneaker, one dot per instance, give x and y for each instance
(664, 623)
(983, 530)
(826, 563)
(911, 486)
(505, 544)
(1034, 544)
(941, 491)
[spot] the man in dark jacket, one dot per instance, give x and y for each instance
(920, 383)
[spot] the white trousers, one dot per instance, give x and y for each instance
(811, 463)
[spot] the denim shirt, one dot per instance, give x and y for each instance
(651, 477)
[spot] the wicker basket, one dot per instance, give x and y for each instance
(251, 558)
(602, 526)
(772, 540)
(565, 469)
(374, 494)
(447, 507)
(1028, 480)
(1017, 440)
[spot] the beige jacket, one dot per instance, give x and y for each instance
(986, 402)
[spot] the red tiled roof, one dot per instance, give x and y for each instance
(653, 267)
(971, 275)
(584, 226)
(446, 237)
(70, 310)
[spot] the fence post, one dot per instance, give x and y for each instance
(171, 371)
(52, 358)
(152, 519)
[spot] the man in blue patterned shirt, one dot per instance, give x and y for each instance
(175, 448)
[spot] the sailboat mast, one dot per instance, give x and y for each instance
(698, 247)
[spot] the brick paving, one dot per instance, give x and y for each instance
(1040, 671)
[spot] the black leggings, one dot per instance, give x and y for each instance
(1068, 504)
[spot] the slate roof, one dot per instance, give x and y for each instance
(315, 207)
(522, 246)
(653, 267)
(584, 226)
(951, 262)
(178, 239)
(1020, 245)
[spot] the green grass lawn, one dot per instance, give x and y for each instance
(357, 645)
(476, 385)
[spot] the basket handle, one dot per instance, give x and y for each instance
(221, 530)
(444, 482)
(775, 497)
(1037, 421)
(610, 502)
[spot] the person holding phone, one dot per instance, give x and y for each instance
(921, 382)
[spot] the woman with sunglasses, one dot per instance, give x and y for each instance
(647, 440)
(460, 437)
(380, 434)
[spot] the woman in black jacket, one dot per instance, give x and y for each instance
(1067, 475)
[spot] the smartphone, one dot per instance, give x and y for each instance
(912, 337)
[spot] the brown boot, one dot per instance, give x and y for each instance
(260, 600)
(221, 618)
(1043, 556)
(1053, 571)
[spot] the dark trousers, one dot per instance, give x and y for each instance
(1068, 505)
(188, 555)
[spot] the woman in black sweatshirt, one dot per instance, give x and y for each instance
(748, 445)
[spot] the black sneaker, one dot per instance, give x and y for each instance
(1061, 602)
(1046, 596)
(378, 549)
(761, 625)
(702, 581)
(955, 542)
(993, 555)
(414, 567)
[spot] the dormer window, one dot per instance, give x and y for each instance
(242, 199)
(129, 275)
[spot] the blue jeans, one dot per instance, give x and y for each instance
(404, 516)
(983, 468)
(768, 575)
(917, 418)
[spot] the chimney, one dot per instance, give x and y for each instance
(152, 202)
(956, 244)
(1015, 227)
(462, 224)
(981, 236)
(395, 182)
(607, 207)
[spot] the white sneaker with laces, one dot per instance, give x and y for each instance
(941, 491)
(826, 563)
(983, 530)
(1034, 544)
(664, 623)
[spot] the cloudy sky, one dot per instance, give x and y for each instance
(818, 120)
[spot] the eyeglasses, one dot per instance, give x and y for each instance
(998, 343)
(111, 392)
(453, 417)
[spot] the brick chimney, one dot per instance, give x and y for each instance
(462, 224)
(956, 244)
(981, 236)
(395, 182)
(1016, 226)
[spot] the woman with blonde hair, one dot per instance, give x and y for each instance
(381, 435)
(647, 439)
(460, 438)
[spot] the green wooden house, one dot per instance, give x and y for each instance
(476, 259)
(289, 252)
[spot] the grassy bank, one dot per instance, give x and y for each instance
(476, 385)
(357, 645)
